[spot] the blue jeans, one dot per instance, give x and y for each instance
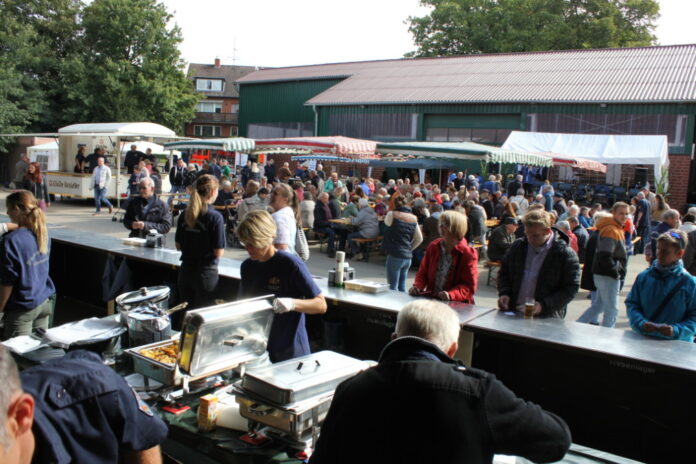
(397, 272)
(606, 301)
(590, 316)
(100, 197)
(354, 247)
(175, 189)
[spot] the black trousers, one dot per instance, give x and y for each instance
(196, 285)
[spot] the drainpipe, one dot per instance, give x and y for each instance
(316, 121)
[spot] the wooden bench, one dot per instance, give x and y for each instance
(368, 244)
(490, 265)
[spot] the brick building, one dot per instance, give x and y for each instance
(217, 113)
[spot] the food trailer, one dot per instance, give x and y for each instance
(108, 136)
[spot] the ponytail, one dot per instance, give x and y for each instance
(30, 216)
(202, 189)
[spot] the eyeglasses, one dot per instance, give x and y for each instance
(142, 187)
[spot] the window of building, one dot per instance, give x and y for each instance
(208, 106)
(459, 134)
(235, 107)
(374, 126)
(210, 85)
(272, 130)
(206, 131)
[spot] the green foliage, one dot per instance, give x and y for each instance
(459, 27)
(62, 62)
(129, 68)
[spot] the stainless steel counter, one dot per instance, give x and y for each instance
(564, 334)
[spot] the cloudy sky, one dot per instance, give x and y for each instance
(297, 32)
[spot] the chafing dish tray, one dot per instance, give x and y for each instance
(221, 337)
(301, 378)
(294, 419)
(163, 372)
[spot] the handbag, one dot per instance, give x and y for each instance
(301, 245)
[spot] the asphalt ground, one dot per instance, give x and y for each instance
(77, 214)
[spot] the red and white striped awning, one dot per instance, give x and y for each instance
(336, 145)
(576, 162)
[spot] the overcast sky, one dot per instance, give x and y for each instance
(299, 32)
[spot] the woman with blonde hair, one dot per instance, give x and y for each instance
(286, 214)
(25, 286)
(449, 269)
(272, 271)
(200, 236)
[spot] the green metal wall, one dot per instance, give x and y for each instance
(507, 113)
(279, 101)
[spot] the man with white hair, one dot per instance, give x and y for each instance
(671, 219)
(420, 405)
(147, 212)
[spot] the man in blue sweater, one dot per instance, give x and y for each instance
(662, 301)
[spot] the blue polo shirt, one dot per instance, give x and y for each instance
(198, 242)
(25, 269)
(284, 275)
(86, 412)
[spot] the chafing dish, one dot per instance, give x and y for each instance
(223, 336)
(213, 340)
(165, 373)
(294, 396)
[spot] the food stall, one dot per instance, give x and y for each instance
(202, 149)
(344, 154)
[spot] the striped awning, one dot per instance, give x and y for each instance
(335, 145)
(239, 144)
(576, 162)
(464, 151)
(327, 157)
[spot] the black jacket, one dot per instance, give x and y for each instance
(582, 235)
(587, 279)
(320, 219)
(420, 406)
(156, 217)
(559, 276)
(499, 243)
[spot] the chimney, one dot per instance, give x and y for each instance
(217, 62)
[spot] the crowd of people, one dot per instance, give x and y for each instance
(546, 248)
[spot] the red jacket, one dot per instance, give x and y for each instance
(462, 279)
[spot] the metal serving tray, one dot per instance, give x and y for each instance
(167, 374)
(302, 378)
(294, 419)
(221, 337)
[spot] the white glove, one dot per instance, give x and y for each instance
(283, 305)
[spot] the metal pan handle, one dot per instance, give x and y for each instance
(236, 340)
(260, 410)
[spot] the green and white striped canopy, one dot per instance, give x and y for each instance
(239, 144)
(464, 151)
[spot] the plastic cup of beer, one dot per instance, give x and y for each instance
(529, 308)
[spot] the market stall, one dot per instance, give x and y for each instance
(446, 155)
(605, 149)
(201, 149)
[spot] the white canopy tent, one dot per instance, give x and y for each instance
(46, 154)
(608, 149)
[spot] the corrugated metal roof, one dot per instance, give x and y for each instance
(617, 75)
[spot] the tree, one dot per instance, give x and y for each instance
(460, 27)
(128, 67)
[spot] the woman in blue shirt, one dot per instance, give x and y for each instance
(277, 272)
(200, 236)
(25, 286)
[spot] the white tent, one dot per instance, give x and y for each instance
(46, 154)
(608, 149)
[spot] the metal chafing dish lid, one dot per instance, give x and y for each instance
(142, 295)
(221, 337)
(298, 379)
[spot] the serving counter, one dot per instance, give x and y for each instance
(357, 324)
(618, 391)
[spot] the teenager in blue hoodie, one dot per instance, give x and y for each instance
(662, 301)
